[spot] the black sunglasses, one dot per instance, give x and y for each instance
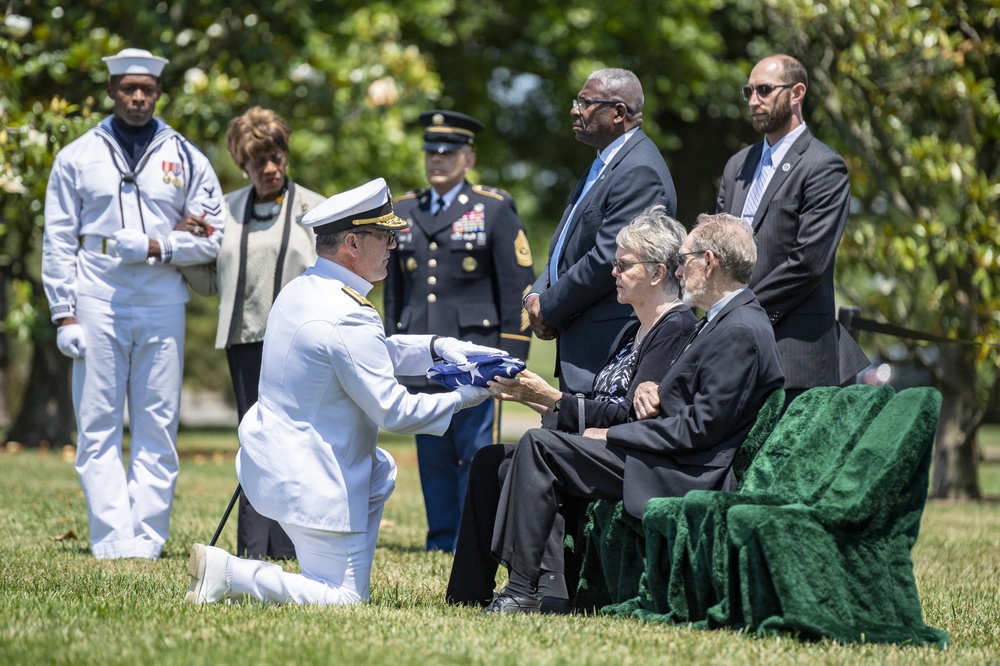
(763, 90)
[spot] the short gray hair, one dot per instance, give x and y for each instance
(731, 240)
(652, 235)
(328, 244)
(623, 84)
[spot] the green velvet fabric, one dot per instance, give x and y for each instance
(687, 539)
(817, 540)
(614, 554)
(613, 560)
(840, 566)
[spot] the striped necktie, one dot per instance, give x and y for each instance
(759, 185)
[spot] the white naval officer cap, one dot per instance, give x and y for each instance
(367, 205)
(135, 61)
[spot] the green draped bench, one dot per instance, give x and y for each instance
(815, 541)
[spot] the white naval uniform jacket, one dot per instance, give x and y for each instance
(92, 193)
(326, 386)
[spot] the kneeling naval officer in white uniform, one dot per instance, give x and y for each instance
(308, 456)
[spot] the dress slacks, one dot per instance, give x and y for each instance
(336, 566)
(133, 351)
(550, 469)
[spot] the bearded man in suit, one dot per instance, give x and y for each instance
(795, 192)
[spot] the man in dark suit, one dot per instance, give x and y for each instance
(460, 270)
(708, 401)
(795, 191)
(574, 298)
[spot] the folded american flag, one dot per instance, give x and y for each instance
(479, 370)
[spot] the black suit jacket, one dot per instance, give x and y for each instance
(657, 351)
(798, 226)
(462, 273)
(583, 304)
(709, 400)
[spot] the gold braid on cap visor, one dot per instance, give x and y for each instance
(443, 129)
(382, 219)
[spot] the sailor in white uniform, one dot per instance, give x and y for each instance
(129, 206)
(308, 456)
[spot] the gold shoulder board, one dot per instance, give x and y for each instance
(488, 191)
(409, 195)
(353, 293)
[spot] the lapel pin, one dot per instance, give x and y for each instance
(786, 167)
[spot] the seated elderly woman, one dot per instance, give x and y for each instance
(644, 278)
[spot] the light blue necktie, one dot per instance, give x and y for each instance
(759, 185)
(595, 170)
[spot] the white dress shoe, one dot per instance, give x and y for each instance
(207, 568)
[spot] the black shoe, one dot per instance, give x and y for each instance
(555, 606)
(506, 603)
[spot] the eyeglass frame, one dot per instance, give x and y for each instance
(680, 260)
(389, 234)
(583, 103)
(763, 90)
(623, 266)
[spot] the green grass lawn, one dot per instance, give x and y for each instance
(60, 606)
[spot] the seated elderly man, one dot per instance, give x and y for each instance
(708, 401)
(308, 457)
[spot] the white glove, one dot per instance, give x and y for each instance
(471, 396)
(456, 351)
(71, 341)
(132, 245)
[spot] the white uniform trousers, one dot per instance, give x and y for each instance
(336, 566)
(135, 351)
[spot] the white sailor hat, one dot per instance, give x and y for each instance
(135, 61)
(367, 205)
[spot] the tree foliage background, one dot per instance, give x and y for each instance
(903, 91)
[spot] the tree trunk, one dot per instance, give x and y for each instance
(954, 475)
(47, 409)
(4, 349)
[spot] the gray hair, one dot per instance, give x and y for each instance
(652, 235)
(623, 84)
(731, 240)
(328, 244)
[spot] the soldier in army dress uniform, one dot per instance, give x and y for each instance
(461, 269)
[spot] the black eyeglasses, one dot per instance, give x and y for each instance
(763, 90)
(390, 236)
(680, 260)
(584, 104)
(623, 266)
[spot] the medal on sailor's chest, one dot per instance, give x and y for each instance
(172, 173)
